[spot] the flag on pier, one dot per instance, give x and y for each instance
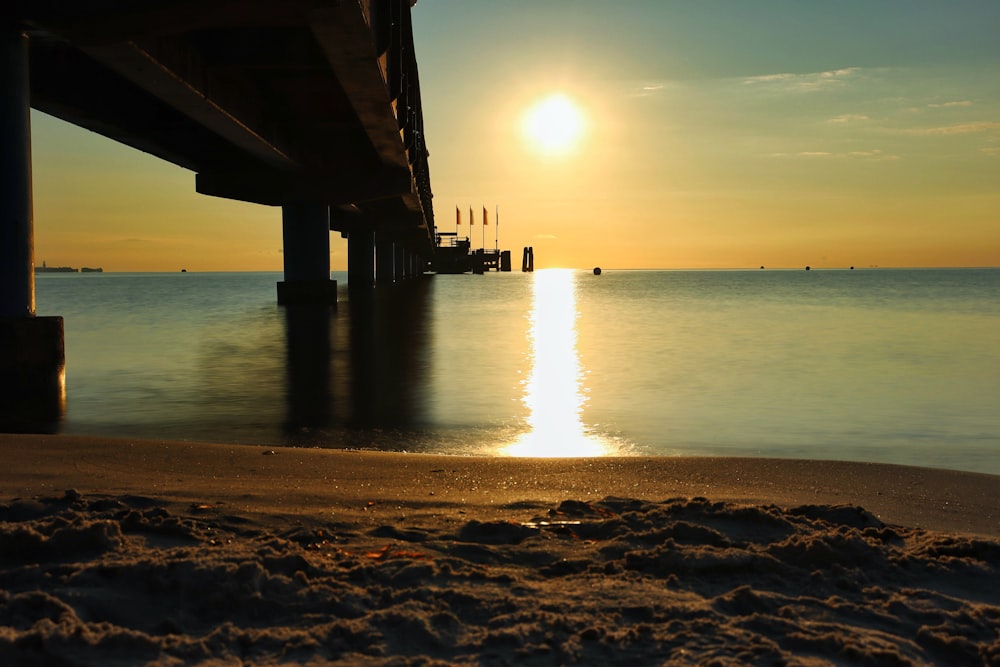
(458, 216)
(472, 219)
(484, 217)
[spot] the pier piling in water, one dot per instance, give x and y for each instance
(306, 235)
(528, 260)
(32, 374)
(505, 260)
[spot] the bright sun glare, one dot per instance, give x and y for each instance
(554, 125)
(553, 393)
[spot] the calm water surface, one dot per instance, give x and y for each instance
(880, 365)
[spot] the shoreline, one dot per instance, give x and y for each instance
(264, 480)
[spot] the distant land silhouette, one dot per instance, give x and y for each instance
(44, 268)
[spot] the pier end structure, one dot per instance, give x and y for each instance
(32, 351)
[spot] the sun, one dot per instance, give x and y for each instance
(553, 125)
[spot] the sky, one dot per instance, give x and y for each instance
(672, 134)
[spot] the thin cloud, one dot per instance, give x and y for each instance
(848, 118)
(840, 73)
(647, 90)
(956, 104)
(874, 155)
(771, 78)
(948, 105)
(808, 82)
(948, 130)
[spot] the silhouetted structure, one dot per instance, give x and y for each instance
(314, 107)
(454, 255)
(528, 259)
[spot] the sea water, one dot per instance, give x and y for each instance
(885, 365)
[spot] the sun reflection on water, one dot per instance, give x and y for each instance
(553, 392)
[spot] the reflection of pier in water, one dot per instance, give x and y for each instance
(364, 375)
(359, 366)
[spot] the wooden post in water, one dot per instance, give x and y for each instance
(528, 260)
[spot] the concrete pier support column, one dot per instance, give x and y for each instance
(361, 259)
(306, 233)
(400, 260)
(17, 271)
(412, 264)
(385, 267)
(32, 351)
(32, 374)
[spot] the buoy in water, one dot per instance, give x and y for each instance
(597, 270)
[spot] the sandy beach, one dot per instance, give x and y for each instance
(147, 552)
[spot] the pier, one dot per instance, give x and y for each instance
(454, 254)
(309, 105)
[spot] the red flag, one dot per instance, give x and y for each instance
(472, 219)
(485, 222)
(458, 216)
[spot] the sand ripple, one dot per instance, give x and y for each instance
(89, 580)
